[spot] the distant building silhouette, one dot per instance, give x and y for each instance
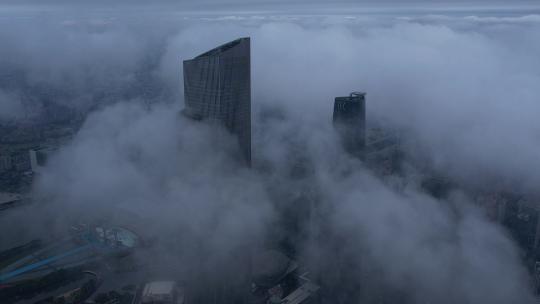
(217, 87)
(350, 121)
(383, 149)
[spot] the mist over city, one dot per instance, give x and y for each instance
(269, 152)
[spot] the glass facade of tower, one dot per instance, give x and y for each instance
(217, 87)
(350, 122)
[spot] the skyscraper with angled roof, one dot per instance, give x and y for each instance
(217, 88)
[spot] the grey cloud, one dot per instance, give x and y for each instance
(171, 180)
(11, 107)
(464, 91)
(78, 63)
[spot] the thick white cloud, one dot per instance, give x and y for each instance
(465, 89)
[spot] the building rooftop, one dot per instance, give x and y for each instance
(269, 267)
(222, 48)
(159, 288)
(301, 294)
(116, 236)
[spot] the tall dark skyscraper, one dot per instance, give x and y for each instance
(350, 122)
(217, 87)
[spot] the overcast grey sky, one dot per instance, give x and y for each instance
(270, 3)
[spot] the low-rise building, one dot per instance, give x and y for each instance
(275, 279)
(162, 292)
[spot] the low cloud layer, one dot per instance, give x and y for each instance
(11, 107)
(463, 91)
